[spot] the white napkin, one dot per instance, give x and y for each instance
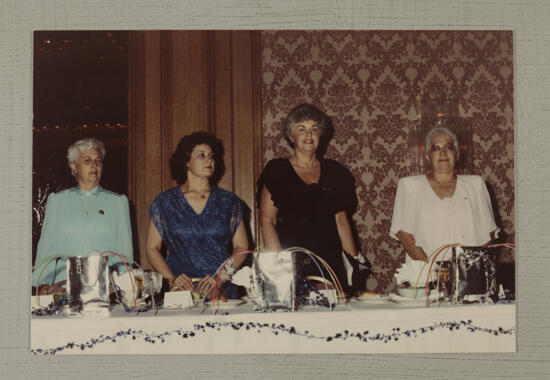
(41, 302)
(125, 285)
(182, 298)
(408, 272)
(243, 277)
(349, 268)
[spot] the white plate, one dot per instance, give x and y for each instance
(229, 304)
(176, 307)
(413, 301)
(379, 299)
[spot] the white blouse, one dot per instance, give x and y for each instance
(465, 218)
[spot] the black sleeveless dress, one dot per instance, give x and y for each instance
(306, 213)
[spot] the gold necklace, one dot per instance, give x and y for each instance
(203, 195)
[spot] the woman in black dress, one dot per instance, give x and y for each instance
(304, 199)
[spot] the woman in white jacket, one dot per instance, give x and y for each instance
(441, 207)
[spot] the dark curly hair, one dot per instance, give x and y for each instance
(182, 155)
(303, 112)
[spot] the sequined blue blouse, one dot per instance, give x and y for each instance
(197, 243)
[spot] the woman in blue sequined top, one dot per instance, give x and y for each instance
(198, 222)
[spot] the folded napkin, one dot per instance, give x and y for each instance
(408, 272)
(358, 264)
(243, 277)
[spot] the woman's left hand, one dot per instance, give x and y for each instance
(207, 284)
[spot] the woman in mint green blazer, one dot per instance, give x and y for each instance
(82, 219)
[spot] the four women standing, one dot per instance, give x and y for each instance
(304, 202)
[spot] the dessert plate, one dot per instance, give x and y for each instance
(229, 304)
(375, 300)
(413, 301)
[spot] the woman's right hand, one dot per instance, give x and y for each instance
(181, 282)
(57, 288)
(153, 245)
(415, 252)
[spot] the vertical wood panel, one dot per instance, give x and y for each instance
(245, 112)
(222, 68)
(166, 105)
(144, 134)
(190, 94)
(242, 88)
(257, 146)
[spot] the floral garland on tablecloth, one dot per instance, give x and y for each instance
(364, 336)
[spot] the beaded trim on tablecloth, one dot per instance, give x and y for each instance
(278, 329)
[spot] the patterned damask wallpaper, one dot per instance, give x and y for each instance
(370, 83)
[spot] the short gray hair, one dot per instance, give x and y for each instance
(303, 112)
(440, 131)
(80, 146)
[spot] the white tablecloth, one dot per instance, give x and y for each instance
(354, 328)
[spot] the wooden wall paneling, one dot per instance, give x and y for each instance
(166, 106)
(257, 122)
(144, 132)
(221, 80)
(190, 84)
(136, 111)
(246, 116)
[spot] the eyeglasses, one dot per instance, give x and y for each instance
(446, 148)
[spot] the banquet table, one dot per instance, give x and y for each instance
(356, 327)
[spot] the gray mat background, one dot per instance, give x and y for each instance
(530, 21)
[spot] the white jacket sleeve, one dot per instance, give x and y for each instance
(404, 213)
